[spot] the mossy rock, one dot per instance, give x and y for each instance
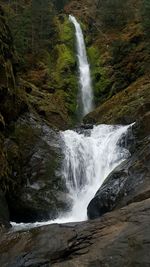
(64, 75)
(65, 30)
(125, 107)
(38, 190)
(99, 73)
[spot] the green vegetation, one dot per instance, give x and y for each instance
(44, 42)
(64, 76)
(60, 4)
(38, 78)
(99, 73)
(30, 23)
(113, 13)
(146, 17)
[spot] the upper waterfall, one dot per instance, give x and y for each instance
(86, 94)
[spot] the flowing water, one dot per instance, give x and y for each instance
(88, 159)
(89, 156)
(86, 93)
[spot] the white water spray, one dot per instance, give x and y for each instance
(88, 159)
(84, 70)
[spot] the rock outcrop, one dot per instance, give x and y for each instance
(125, 107)
(4, 212)
(120, 238)
(129, 182)
(38, 191)
(12, 104)
(43, 97)
(30, 153)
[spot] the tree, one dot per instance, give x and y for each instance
(19, 18)
(31, 23)
(42, 15)
(59, 4)
(112, 13)
(146, 17)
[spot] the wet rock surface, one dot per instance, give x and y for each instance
(129, 182)
(41, 192)
(31, 156)
(119, 238)
(4, 213)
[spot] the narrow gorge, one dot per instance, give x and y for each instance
(74, 140)
(89, 155)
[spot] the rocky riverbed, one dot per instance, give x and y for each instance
(119, 238)
(38, 94)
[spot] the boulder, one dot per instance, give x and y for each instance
(38, 190)
(119, 238)
(129, 182)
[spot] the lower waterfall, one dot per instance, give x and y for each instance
(89, 156)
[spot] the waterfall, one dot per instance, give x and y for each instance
(89, 157)
(86, 94)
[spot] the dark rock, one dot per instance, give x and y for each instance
(84, 129)
(4, 213)
(2, 123)
(129, 182)
(108, 194)
(38, 191)
(119, 238)
(124, 107)
(12, 101)
(86, 126)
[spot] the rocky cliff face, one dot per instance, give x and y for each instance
(120, 238)
(41, 98)
(129, 182)
(30, 156)
(12, 102)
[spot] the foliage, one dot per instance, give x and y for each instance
(113, 13)
(60, 4)
(30, 23)
(119, 50)
(42, 16)
(99, 73)
(146, 17)
(21, 30)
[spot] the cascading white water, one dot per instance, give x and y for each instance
(84, 70)
(90, 156)
(88, 159)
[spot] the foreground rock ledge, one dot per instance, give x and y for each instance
(120, 239)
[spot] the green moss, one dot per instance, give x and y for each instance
(126, 106)
(65, 58)
(65, 30)
(94, 55)
(99, 73)
(24, 134)
(64, 70)
(45, 58)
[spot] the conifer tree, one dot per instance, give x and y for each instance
(146, 17)
(112, 13)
